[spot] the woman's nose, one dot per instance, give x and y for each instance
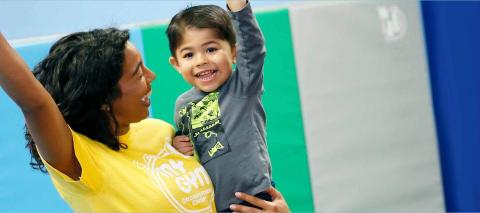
(151, 75)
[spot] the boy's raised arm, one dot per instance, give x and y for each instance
(44, 120)
(250, 48)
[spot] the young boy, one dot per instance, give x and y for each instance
(223, 114)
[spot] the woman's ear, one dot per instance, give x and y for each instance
(105, 108)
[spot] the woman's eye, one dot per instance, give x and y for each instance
(140, 70)
(140, 73)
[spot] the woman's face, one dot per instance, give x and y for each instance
(135, 89)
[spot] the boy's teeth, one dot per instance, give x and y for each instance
(208, 72)
(207, 77)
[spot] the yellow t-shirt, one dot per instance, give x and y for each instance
(149, 176)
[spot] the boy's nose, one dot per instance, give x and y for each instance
(201, 59)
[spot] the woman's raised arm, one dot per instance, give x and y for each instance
(43, 118)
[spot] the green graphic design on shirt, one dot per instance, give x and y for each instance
(201, 122)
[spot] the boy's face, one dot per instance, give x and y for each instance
(204, 60)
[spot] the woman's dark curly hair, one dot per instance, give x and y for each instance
(81, 73)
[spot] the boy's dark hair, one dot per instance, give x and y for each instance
(202, 16)
(81, 73)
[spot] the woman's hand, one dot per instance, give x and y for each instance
(183, 145)
(278, 203)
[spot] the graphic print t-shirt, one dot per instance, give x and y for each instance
(201, 120)
(148, 176)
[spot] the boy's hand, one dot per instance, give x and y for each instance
(236, 5)
(183, 145)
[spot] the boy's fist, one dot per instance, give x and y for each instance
(183, 145)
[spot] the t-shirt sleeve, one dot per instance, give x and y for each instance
(176, 116)
(180, 111)
(91, 178)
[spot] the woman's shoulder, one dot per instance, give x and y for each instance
(152, 123)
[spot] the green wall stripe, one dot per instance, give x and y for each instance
(169, 84)
(286, 140)
(285, 134)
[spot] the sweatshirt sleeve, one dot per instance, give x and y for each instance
(248, 76)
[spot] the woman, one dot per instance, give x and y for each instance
(86, 107)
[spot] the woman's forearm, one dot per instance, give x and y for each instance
(18, 81)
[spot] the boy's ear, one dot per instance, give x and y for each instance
(234, 55)
(173, 61)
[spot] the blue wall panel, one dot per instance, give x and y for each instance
(23, 188)
(453, 41)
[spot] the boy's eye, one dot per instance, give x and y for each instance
(211, 49)
(188, 55)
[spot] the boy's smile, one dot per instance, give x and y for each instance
(204, 60)
(206, 75)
